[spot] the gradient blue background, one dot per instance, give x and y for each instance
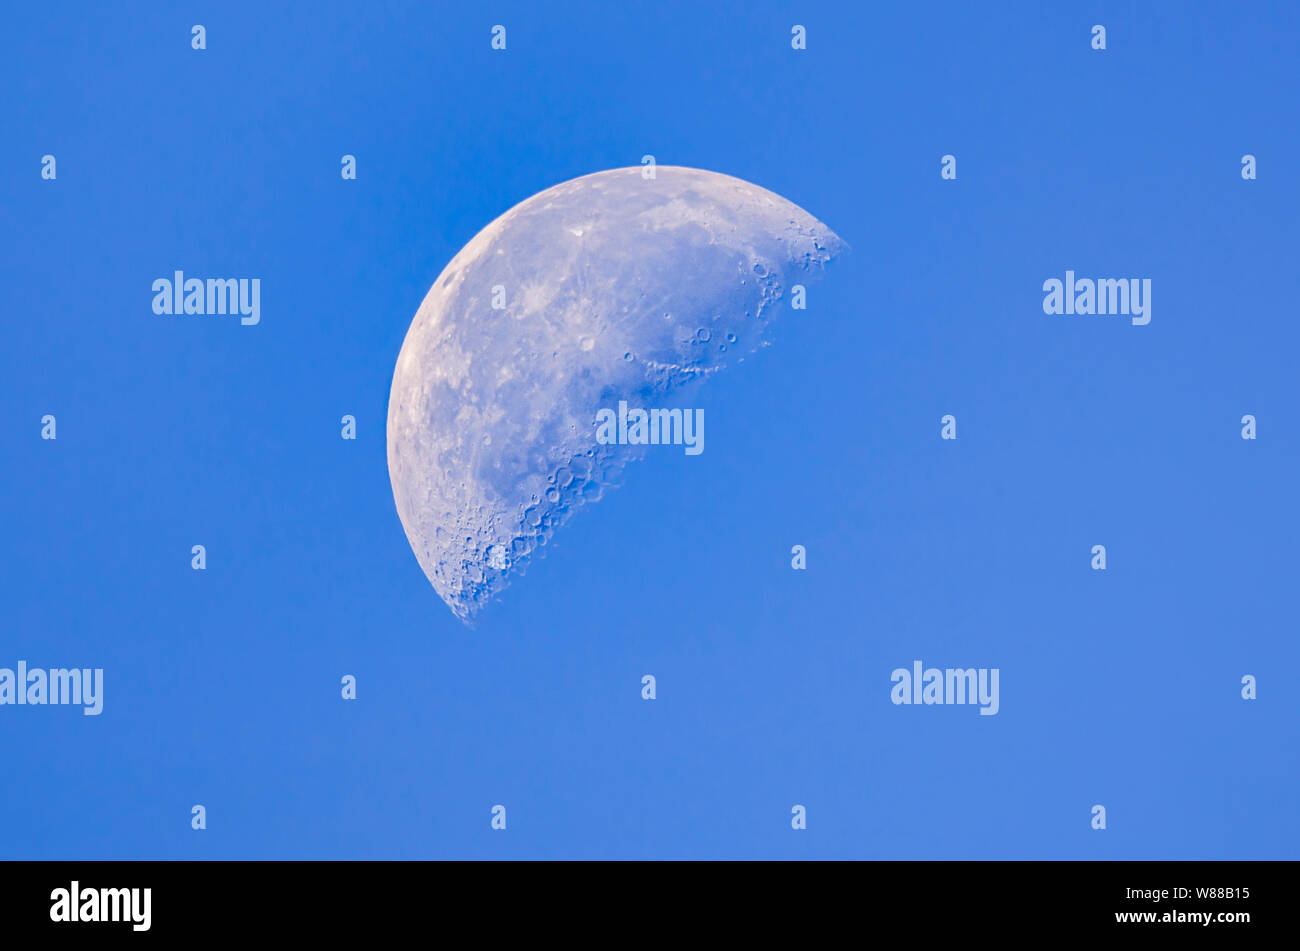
(222, 687)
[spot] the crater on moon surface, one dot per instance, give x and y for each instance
(616, 286)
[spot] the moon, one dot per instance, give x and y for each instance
(633, 283)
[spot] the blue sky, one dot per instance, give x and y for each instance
(1119, 687)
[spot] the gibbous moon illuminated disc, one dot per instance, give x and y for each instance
(610, 286)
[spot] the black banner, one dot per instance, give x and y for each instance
(1163, 901)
